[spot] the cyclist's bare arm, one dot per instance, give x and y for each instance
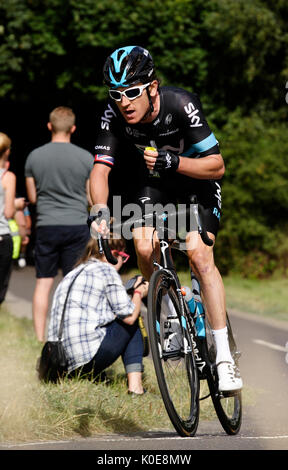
(209, 167)
(99, 187)
(99, 191)
(88, 193)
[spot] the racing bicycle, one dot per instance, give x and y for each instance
(181, 341)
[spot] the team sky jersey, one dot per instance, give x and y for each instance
(180, 127)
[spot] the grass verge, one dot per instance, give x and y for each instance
(32, 411)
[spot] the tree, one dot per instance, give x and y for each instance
(233, 53)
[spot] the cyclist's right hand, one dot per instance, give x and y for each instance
(101, 223)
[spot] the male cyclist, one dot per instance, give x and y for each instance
(186, 160)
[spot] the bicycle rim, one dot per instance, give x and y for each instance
(176, 372)
(228, 408)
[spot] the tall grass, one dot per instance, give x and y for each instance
(30, 410)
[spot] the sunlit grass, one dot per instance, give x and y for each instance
(30, 410)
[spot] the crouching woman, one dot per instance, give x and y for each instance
(101, 320)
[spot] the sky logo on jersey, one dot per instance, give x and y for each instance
(109, 113)
(104, 159)
(192, 114)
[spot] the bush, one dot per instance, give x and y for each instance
(253, 231)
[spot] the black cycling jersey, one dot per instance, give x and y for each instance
(180, 127)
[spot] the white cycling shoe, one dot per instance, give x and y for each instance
(229, 377)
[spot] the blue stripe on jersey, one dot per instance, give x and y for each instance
(201, 146)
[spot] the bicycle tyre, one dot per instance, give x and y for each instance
(228, 407)
(177, 376)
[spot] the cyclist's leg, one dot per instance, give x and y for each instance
(201, 259)
(148, 196)
(201, 256)
(202, 263)
(142, 237)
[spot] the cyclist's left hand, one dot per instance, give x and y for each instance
(166, 161)
(161, 160)
(150, 157)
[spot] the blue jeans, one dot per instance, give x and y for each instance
(120, 340)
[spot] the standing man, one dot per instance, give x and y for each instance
(57, 181)
(186, 160)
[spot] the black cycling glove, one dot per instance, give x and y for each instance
(166, 161)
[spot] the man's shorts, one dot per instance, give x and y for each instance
(59, 246)
(179, 190)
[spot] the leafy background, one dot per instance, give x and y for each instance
(233, 53)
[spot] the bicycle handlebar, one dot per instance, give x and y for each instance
(104, 247)
(102, 242)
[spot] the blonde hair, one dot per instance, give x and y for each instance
(5, 143)
(92, 249)
(62, 119)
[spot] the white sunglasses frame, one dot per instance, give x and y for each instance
(123, 93)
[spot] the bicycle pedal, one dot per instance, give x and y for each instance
(229, 394)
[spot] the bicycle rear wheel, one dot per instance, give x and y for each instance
(175, 369)
(228, 407)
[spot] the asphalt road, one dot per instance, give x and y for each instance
(264, 368)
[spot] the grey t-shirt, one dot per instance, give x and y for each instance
(60, 171)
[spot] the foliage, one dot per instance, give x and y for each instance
(255, 193)
(226, 49)
(232, 52)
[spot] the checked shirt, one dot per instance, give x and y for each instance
(96, 298)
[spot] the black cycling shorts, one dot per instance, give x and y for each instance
(179, 190)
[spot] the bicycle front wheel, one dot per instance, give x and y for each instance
(228, 407)
(172, 354)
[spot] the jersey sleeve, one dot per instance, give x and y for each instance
(107, 142)
(202, 141)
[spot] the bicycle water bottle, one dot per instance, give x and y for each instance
(196, 309)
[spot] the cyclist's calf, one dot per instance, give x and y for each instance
(142, 241)
(200, 256)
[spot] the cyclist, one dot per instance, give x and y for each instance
(187, 161)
